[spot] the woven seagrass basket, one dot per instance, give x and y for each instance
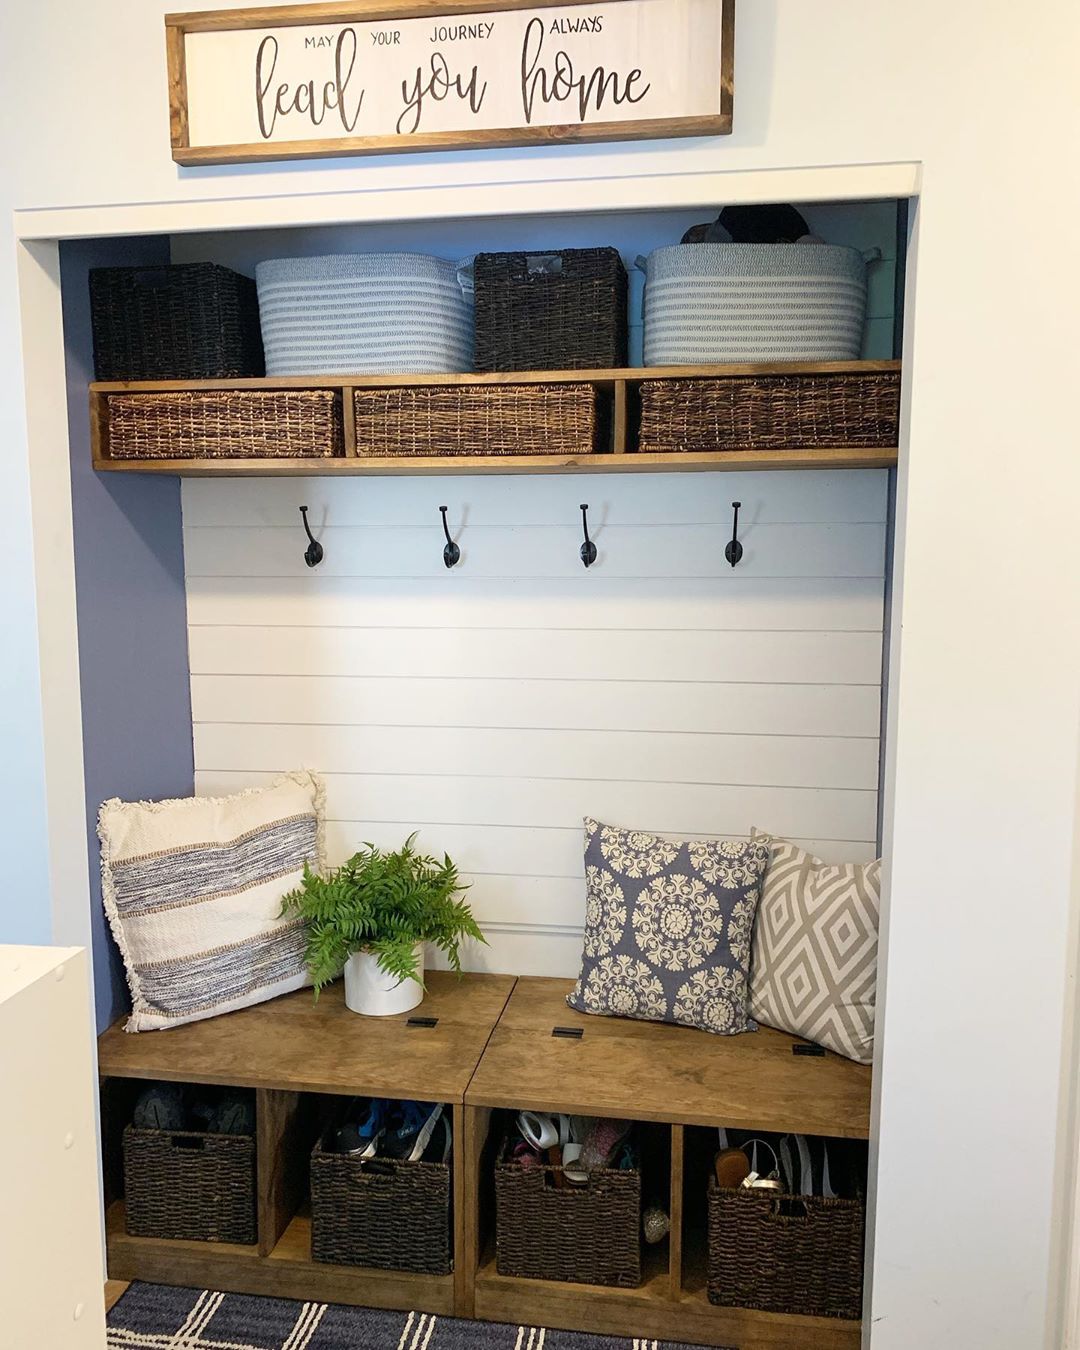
(187, 321)
(788, 1255)
(563, 310)
(199, 1187)
(392, 1219)
(770, 412)
(588, 1234)
(523, 419)
(225, 424)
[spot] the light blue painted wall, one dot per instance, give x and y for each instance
(129, 570)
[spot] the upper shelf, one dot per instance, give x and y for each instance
(620, 385)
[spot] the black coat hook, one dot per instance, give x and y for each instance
(313, 554)
(588, 548)
(734, 551)
(451, 554)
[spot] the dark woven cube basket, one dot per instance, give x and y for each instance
(199, 1187)
(188, 321)
(787, 1255)
(762, 412)
(512, 419)
(225, 424)
(563, 310)
(395, 1221)
(585, 1234)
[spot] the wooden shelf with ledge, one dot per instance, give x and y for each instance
(618, 386)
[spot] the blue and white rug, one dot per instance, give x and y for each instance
(156, 1317)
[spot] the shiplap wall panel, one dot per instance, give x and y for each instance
(633, 756)
(780, 550)
(591, 602)
(493, 706)
(704, 706)
(849, 496)
(513, 850)
(787, 657)
(430, 802)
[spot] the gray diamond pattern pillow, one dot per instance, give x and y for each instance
(668, 927)
(815, 949)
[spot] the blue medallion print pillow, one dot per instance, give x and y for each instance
(668, 928)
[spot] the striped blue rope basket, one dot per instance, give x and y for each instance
(364, 314)
(753, 302)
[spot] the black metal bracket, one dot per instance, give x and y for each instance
(568, 1033)
(422, 1022)
(734, 551)
(313, 554)
(588, 548)
(451, 554)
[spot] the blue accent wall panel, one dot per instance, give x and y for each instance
(132, 611)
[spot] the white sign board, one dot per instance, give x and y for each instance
(355, 79)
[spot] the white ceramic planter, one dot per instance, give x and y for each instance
(373, 993)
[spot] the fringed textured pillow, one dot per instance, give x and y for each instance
(193, 890)
(667, 928)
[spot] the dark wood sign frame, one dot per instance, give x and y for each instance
(177, 26)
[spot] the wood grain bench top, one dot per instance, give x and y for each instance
(655, 1071)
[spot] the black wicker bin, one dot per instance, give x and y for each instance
(563, 310)
(188, 321)
(183, 1184)
(587, 1234)
(382, 1214)
(785, 1254)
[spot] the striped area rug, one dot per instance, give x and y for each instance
(155, 1317)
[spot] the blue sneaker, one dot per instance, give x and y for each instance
(409, 1130)
(364, 1127)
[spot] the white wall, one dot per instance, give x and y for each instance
(48, 1154)
(985, 697)
(494, 705)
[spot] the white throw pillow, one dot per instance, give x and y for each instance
(193, 890)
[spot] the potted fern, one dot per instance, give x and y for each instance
(373, 915)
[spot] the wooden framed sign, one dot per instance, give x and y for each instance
(370, 76)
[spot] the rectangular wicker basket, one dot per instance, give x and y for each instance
(225, 424)
(199, 1187)
(399, 1219)
(514, 419)
(785, 1254)
(587, 1234)
(760, 412)
(187, 321)
(562, 310)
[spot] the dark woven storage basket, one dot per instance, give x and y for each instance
(200, 1187)
(770, 412)
(586, 1234)
(189, 321)
(563, 310)
(513, 419)
(399, 1221)
(225, 424)
(786, 1255)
